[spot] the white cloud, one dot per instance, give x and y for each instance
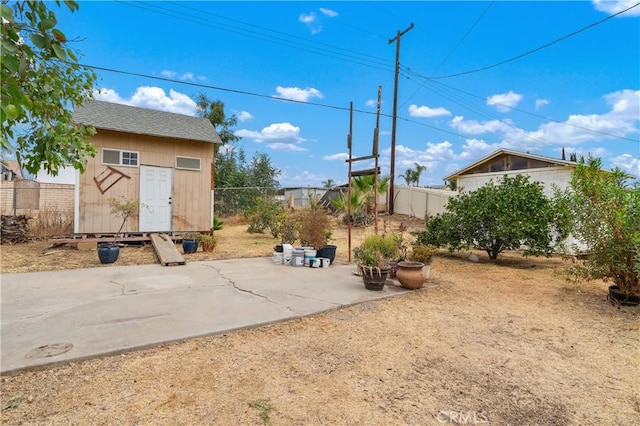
(168, 74)
(474, 149)
(280, 146)
(109, 95)
(340, 156)
(275, 134)
(504, 101)
(187, 76)
(244, 116)
(425, 111)
(307, 19)
(628, 163)
(152, 98)
(541, 102)
(474, 127)
(328, 12)
(615, 6)
(297, 94)
(371, 103)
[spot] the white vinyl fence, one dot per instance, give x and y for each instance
(415, 201)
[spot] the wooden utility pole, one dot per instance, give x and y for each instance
(349, 138)
(375, 153)
(399, 34)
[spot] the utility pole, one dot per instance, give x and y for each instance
(394, 119)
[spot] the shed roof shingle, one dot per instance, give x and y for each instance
(143, 121)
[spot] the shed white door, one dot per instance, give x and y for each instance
(156, 185)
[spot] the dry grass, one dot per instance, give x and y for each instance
(508, 341)
(51, 221)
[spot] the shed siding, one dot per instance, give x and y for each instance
(548, 176)
(191, 189)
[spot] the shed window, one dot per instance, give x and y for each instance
(119, 158)
(187, 163)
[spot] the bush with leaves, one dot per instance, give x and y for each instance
(315, 226)
(508, 215)
(607, 221)
(265, 215)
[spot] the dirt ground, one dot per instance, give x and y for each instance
(505, 342)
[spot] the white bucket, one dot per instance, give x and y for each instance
(277, 258)
(315, 262)
(309, 254)
(287, 251)
(325, 262)
(297, 259)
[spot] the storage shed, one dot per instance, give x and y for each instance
(163, 160)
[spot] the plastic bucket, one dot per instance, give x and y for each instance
(278, 257)
(308, 255)
(297, 257)
(287, 251)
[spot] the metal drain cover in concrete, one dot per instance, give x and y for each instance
(48, 351)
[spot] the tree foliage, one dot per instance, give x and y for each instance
(214, 112)
(498, 217)
(41, 83)
(412, 176)
(607, 222)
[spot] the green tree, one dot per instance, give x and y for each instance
(41, 84)
(329, 183)
(409, 176)
(418, 172)
(504, 216)
(607, 222)
(214, 112)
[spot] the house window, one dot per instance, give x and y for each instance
(120, 158)
(187, 163)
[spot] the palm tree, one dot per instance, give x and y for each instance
(418, 171)
(329, 183)
(409, 176)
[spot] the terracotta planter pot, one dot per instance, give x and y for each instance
(411, 275)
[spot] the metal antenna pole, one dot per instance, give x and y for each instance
(394, 119)
(349, 145)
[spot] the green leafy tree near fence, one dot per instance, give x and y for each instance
(607, 222)
(501, 216)
(41, 83)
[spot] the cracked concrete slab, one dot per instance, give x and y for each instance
(112, 309)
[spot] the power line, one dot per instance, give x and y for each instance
(306, 45)
(537, 115)
(464, 37)
(533, 50)
(260, 95)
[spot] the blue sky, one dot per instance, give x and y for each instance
(581, 93)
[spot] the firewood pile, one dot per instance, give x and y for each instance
(14, 229)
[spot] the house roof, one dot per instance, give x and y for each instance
(499, 152)
(143, 121)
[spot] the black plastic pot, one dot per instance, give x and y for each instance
(189, 245)
(328, 252)
(108, 253)
(617, 297)
(374, 278)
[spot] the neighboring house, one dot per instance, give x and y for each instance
(163, 160)
(546, 170)
(10, 170)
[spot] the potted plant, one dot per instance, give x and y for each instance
(208, 242)
(123, 208)
(413, 272)
(373, 257)
(190, 242)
